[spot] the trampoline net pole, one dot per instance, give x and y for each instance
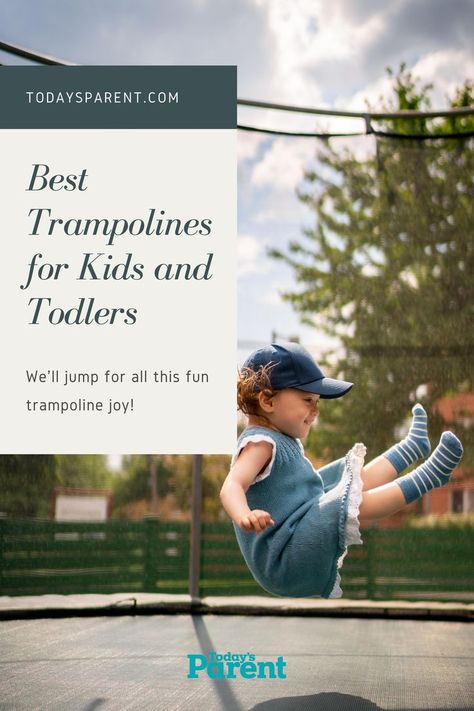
(195, 542)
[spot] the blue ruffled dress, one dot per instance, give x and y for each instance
(315, 514)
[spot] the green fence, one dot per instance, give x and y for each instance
(44, 557)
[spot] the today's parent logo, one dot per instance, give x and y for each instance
(233, 666)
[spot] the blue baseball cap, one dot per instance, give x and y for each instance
(293, 367)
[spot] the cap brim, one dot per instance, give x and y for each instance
(328, 388)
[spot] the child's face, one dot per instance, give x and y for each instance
(293, 411)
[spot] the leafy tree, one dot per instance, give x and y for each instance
(387, 267)
(180, 482)
(27, 483)
(84, 471)
(174, 476)
(215, 469)
(135, 484)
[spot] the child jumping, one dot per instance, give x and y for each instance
(293, 524)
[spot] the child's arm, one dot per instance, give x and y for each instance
(253, 459)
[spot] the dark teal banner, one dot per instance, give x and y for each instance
(118, 97)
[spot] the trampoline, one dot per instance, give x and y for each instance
(125, 663)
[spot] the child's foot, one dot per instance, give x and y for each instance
(416, 444)
(436, 471)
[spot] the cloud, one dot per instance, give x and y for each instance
(447, 69)
(306, 52)
(272, 297)
(312, 37)
(357, 10)
(251, 257)
(413, 29)
(248, 145)
(147, 32)
(324, 53)
(282, 165)
(308, 32)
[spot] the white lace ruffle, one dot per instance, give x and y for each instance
(352, 483)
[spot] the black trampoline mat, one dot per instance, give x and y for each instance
(140, 663)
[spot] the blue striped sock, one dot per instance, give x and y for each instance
(436, 471)
(416, 444)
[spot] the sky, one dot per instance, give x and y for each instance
(303, 52)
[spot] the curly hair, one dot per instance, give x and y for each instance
(249, 384)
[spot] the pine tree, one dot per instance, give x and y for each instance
(387, 267)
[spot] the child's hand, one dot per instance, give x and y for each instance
(257, 520)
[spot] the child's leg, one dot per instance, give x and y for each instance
(436, 471)
(380, 502)
(416, 445)
(377, 472)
